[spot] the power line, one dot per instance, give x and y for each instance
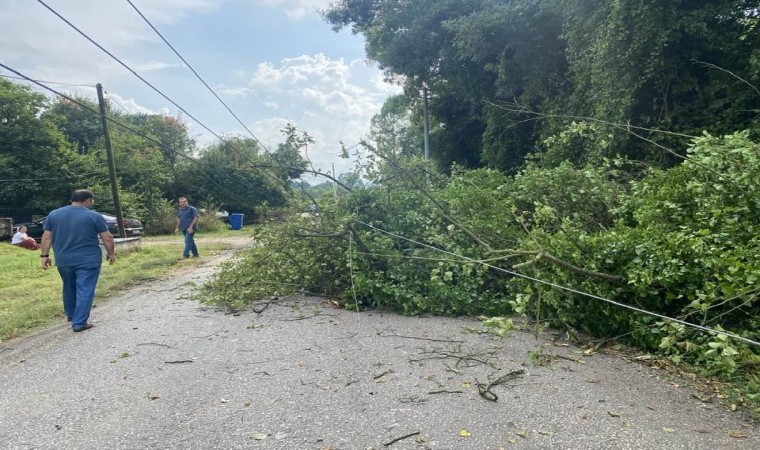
(110, 97)
(568, 289)
(123, 64)
(212, 176)
(189, 66)
(51, 178)
(65, 177)
(48, 82)
(158, 91)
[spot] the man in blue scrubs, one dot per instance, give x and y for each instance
(73, 233)
(187, 218)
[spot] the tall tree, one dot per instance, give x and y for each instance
(411, 42)
(499, 70)
(37, 167)
(674, 65)
(81, 126)
(233, 175)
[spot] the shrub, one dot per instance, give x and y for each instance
(161, 218)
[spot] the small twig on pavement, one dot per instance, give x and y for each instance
(443, 391)
(212, 334)
(377, 377)
(575, 360)
(387, 444)
(155, 343)
(485, 389)
(412, 399)
(422, 338)
(470, 360)
(301, 318)
(181, 361)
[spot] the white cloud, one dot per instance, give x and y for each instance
(320, 96)
(130, 105)
(31, 29)
(380, 85)
(232, 91)
(268, 131)
(297, 9)
(155, 65)
(316, 84)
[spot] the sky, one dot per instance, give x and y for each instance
(273, 62)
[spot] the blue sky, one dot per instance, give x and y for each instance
(271, 61)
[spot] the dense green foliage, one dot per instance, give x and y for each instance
(506, 74)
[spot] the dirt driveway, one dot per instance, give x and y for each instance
(161, 371)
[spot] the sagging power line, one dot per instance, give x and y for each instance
(208, 170)
(189, 66)
(463, 258)
(158, 91)
(60, 83)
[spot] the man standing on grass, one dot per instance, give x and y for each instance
(187, 219)
(73, 233)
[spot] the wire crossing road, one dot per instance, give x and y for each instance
(161, 371)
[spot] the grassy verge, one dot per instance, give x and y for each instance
(30, 298)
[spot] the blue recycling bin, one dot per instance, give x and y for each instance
(236, 221)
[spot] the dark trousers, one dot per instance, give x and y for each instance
(78, 292)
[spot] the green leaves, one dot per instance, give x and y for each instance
(685, 240)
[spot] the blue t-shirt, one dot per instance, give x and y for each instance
(186, 216)
(75, 236)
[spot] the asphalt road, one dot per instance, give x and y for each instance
(160, 371)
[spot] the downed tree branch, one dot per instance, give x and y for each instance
(485, 389)
(568, 358)
(470, 360)
(441, 209)
(377, 264)
(566, 265)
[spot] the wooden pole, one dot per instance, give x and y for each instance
(426, 122)
(111, 166)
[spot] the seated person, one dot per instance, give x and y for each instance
(23, 240)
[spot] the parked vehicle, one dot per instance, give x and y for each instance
(224, 216)
(132, 227)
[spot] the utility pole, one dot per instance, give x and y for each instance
(335, 185)
(426, 129)
(111, 167)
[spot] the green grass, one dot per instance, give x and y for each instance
(30, 298)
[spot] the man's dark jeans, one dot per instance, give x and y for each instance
(78, 292)
(189, 244)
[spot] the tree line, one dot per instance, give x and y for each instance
(506, 75)
(50, 147)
